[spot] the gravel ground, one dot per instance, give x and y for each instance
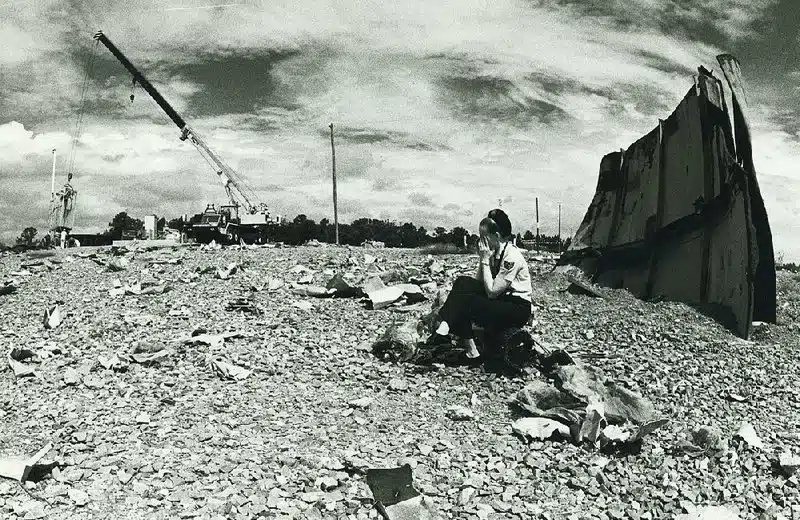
(172, 439)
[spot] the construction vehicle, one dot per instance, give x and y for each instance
(243, 218)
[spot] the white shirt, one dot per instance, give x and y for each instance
(514, 268)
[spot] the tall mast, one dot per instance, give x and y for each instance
(53, 179)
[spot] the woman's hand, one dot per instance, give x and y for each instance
(483, 249)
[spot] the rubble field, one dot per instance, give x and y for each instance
(172, 385)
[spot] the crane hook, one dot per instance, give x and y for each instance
(133, 87)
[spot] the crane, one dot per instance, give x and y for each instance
(234, 186)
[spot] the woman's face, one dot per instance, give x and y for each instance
(493, 238)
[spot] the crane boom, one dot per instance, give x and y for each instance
(232, 186)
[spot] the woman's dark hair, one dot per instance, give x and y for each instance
(502, 224)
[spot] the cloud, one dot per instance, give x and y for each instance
(420, 199)
(458, 103)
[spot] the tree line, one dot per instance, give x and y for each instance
(302, 229)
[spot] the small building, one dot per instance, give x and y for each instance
(151, 227)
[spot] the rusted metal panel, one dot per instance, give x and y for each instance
(678, 214)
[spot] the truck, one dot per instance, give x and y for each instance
(243, 218)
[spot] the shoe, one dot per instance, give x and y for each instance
(443, 329)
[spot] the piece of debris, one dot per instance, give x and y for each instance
(212, 340)
(303, 306)
(398, 385)
(362, 403)
(226, 370)
(143, 418)
(19, 469)
(391, 485)
(789, 463)
(341, 288)
(460, 413)
(539, 428)
(382, 298)
(223, 273)
(145, 358)
(709, 513)
(748, 434)
(19, 369)
(593, 423)
(72, 377)
(52, 317)
(709, 440)
(117, 264)
(736, 397)
(314, 291)
(7, 288)
(111, 362)
(581, 286)
(245, 305)
(398, 342)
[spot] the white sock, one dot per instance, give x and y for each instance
(444, 329)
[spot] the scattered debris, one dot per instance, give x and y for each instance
(20, 469)
(20, 369)
(227, 370)
(52, 317)
(789, 463)
(460, 413)
(748, 434)
(224, 273)
(362, 403)
(539, 428)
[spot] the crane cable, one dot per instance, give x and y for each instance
(81, 110)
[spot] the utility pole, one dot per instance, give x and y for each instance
(537, 224)
(53, 179)
(559, 227)
(335, 206)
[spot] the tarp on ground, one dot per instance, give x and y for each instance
(679, 214)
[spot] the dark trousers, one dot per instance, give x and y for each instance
(468, 304)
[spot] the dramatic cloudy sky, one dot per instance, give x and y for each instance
(441, 107)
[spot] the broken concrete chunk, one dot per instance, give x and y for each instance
(460, 413)
(52, 317)
(382, 298)
(593, 424)
(20, 369)
(19, 469)
(223, 273)
(392, 485)
(72, 377)
(539, 428)
(226, 370)
(363, 402)
(314, 291)
(373, 284)
(789, 463)
(748, 434)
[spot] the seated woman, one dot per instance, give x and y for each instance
(499, 297)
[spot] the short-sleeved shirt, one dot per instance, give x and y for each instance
(514, 268)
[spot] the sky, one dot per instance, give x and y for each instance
(442, 109)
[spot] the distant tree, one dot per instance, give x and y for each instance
(439, 232)
(177, 224)
(27, 236)
(457, 236)
(528, 235)
(161, 224)
(122, 223)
